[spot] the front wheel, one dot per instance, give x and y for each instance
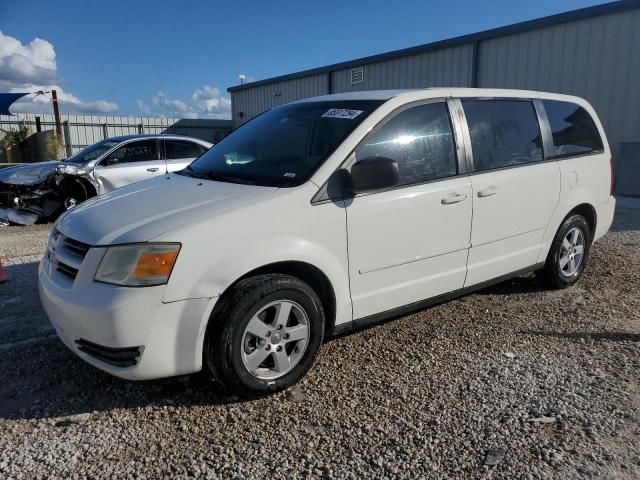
(265, 335)
(569, 252)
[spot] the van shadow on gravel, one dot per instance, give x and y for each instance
(22, 318)
(46, 381)
(518, 285)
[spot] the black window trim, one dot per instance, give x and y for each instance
(156, 140)
(552, 147)
(462, 167)
(163, 144)
(543, 127)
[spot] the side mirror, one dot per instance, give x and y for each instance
(373, 173)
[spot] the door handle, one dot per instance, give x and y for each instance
(488, 192)
(152, 169)
(453, 198)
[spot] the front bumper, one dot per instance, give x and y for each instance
(86, 314)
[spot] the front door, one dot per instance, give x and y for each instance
(410, 243)
(130, 163)
(515, 191)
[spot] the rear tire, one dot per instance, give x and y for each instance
(264, 335)
(569, 253)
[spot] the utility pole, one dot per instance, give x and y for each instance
(56, 113)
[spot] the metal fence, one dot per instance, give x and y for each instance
(80, 131)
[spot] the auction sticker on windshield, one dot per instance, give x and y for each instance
(341, 113)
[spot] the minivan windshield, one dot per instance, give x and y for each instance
(283, 146)
(92, 152)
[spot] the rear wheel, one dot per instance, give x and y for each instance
(569, 252)
(265, 334)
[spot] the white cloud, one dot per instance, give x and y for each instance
(26, 64)
(167, 104)
(208, 100)
(32, 68)
(205, 102)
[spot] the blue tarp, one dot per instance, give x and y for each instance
(6, 99)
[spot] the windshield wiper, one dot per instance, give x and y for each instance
(229, 178)
(215, 176)
(189, 171)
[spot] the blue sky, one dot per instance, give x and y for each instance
(178, 58)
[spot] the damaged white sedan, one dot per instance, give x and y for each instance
(42, 191)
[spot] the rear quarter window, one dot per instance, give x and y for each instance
(504, 133)
(574, 131)
(182, 149)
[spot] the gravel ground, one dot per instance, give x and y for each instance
(543, 383)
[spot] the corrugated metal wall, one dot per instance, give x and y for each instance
(246, 104)
(84, 130)
(449, 67)
(596, 58)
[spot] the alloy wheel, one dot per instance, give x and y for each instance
(571, 252)
(275, 339)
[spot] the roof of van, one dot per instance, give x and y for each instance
(435, 92)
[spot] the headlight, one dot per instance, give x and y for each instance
(140, 265)
(71, 169)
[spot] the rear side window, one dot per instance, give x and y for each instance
(182, 149)
(420, 139)
(504, 133)
(574, 131)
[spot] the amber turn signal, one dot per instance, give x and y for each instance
(155, 264)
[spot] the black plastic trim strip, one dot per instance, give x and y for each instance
(118, 357)
(66, 270)
(429, 302)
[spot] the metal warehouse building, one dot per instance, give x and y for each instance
(593, 53)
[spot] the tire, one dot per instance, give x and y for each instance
(262, 302)
(558, 272)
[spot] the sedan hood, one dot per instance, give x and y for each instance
(144, 210)
(31, 174)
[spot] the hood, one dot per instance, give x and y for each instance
(31, 174)
(144, 210)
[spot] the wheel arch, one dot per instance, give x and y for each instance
(73, 182)
(584, 208)
(308, 273)
(588, 211)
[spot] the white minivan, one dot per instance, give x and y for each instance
(324, 215)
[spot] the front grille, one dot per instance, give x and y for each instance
(118, 357)
(66, 254)
(66, 270)
(77, 248)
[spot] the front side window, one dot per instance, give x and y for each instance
(504, 133)
(283, 146)
(182, 149)
(420, 139)
(574, 131)
(138, 151)
(91, 153)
